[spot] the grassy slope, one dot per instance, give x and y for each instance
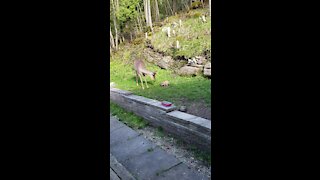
(193, 36)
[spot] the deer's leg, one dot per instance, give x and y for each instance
(137, 79)
(146, 82)
(141, 81)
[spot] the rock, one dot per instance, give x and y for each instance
(207, 72)
(189, 70)
(165, 63)
(208, 65)
(165, 83)
(196, 65)
(207, 69)
(183, 109)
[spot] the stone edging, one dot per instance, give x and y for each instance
(189, 128)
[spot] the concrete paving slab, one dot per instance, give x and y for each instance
(122, 134)
(181, 171)
(131, 148)
(148, 165)
(115, 124)
(113, 175)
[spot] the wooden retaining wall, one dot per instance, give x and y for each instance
(189, 128)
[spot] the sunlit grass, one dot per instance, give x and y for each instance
(180, 88)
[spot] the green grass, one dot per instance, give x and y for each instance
(181, 89)
(193, 36)
(128, 118)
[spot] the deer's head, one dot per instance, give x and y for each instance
(153, 75)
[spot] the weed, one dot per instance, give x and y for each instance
(160, 132)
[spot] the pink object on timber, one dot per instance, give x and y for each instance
(166, 103)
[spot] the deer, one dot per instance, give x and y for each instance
(141, 70)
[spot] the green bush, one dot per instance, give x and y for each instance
(138, 41)
(196, 5)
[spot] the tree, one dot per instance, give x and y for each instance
(210, 7)
(147, 11)
(115, 24)
(157, 17)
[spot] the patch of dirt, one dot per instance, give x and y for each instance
(179, 150)
(196, 108)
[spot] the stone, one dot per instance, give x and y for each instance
(119, 91)
(165, 83)
(189, 70)
(183, 109)
(165, 63)
(151, 102)
(207, 72)
(181, 115)
(197, 66)
(208, 65)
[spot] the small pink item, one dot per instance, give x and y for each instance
(166, 103)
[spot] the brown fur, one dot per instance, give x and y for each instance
(141, 70)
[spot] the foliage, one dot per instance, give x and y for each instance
(127, 11)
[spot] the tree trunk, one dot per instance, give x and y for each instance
(157, 11)
(210, 8)
(140, 15)
(174, 6)
(115, 24)
(166, 9)
(111, 39)
(117, 5)
(170, 7)
(130, 36)
(149, 11)
(146, 11)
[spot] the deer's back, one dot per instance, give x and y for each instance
(138, 64)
